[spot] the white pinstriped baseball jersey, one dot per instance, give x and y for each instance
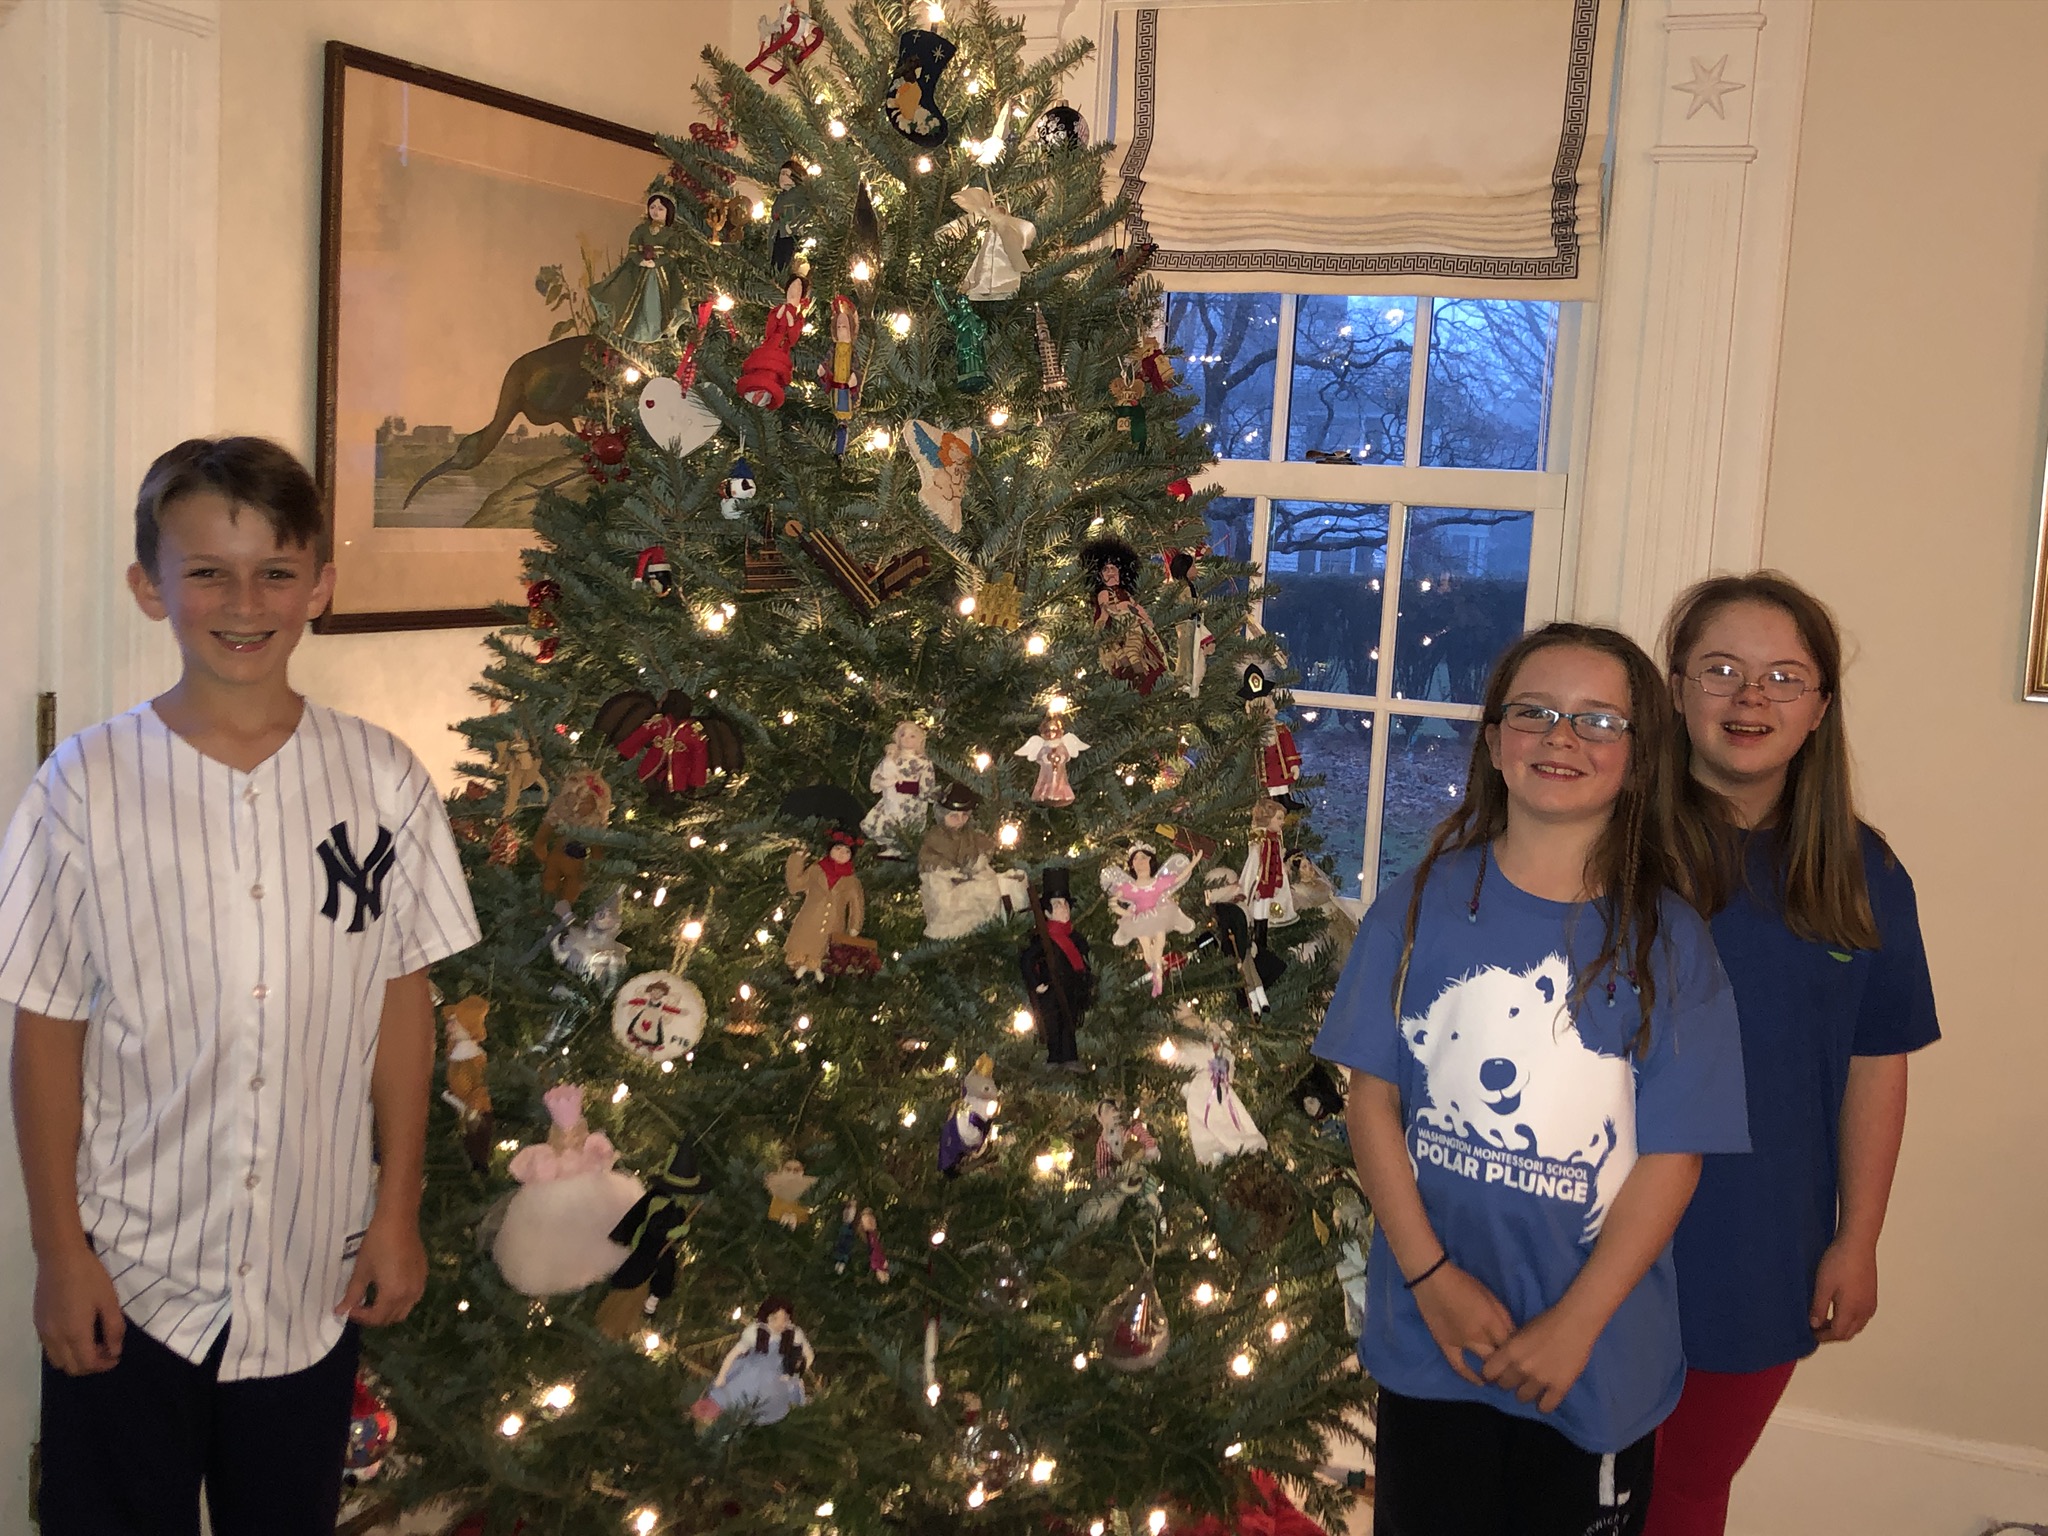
(228, 937)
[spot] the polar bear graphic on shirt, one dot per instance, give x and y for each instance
(1513, 1095)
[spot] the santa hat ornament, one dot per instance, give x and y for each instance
(652, 572)
(911, 107)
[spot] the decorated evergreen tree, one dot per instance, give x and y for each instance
(882, 1099)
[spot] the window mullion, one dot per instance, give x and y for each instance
(1261, 511)
(1383, 694)
(1418, 380)
(1283, 381)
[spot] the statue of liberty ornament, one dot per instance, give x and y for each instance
(967, 1130)
(556, 1235)
(762, 1377)
(1132, 1332)
(1142, 893)
(736, 490)
(657, 1016)
(970, 338)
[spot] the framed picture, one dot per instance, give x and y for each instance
(441, 202)
(2037, 624)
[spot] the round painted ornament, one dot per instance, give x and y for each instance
(371, 1429)
(674, 418)
(658, 1015)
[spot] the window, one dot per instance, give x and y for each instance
(1374, 445)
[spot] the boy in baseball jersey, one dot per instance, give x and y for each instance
(216, 916)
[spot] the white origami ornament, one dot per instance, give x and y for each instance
(674, 417)
(944, 457)
(999, 265)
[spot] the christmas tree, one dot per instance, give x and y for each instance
(882, 1099)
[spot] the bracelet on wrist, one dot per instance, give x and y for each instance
(1441, 1260)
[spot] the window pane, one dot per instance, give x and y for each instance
(1464, 589)
(1231, 341)
(1349, 392)
(1337, 744)
(1326, 559)
(1230, 535)
(1426, 762)
(1491, 366)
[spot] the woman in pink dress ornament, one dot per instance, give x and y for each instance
(1142, 893)
(1052, 749)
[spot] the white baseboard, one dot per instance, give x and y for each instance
(1814, 1474)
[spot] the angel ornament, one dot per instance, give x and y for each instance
(1130, 647)
(999, 266)
(1219, 1126)
(905, 781)
(1052, 749)
(962, 889)
(1143, 894)
(944, 458)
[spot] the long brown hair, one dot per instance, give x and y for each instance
(1820, 854)
(1630, 863)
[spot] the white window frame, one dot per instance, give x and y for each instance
(1545, 494)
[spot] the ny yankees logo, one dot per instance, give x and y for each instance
(365, 880)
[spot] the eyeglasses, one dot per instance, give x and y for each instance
(1725, 682)
(1595, 725)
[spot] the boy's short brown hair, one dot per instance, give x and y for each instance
(249, 472)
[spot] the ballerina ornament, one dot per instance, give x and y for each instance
(1143, 894)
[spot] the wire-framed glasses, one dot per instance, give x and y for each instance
(1725, 682)
(1588, 724)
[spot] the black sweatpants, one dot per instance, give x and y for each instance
(1464, 1469)
(124, 1452)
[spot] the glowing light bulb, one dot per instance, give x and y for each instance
(981, 762)
(934, 13)
(1081, 1363)
(510, 1425)
(759, 211)
(950, 1064)
(910, 1119)
(1035, 646)
(746, 992)
(558, 1397)
(1096, 1528)
(788, 717)
(723, 303)
(761, 935)
(1168, 1051)
(668, 1066)
(814, 169)
(660, 894)
(931, 1394)
(1278, 1332)
(1272, 1297)
(879, 439)
(974, 87)
(1058, 703)
(620, 1093)
(693, 930)
(1156, 1521)
(1021, 1021)
(966, 606)
(696, 841)
(939, 1238)
(633, 377)
(1043, 1163)
(999, 418)
(900, 323)
(836, 128)
(1241, 1366)
(1235, 1448)
(977, 1496)
(860, 271)
(650, 1342)
(924, 165)
(1007, 834)
(645, 1520)
(803, 1021)
(714, 620)
(1205, 1293)
(825, 1510)
(1042, 1469)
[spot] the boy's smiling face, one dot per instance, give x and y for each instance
(235, 597)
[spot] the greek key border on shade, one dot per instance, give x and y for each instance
(1564, 229)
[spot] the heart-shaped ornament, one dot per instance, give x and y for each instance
(674, 418)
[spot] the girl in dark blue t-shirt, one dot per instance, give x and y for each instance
(1541, 1045)
(1816, 924)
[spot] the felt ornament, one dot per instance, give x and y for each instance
(1059, 977)
(1279, 758)
(965, 1131)
(676, 420)
(764, 378)
(736, 490)
(1052, 374)
(787, 1186)
(858, 1228)
(467, 1092)
(650, 1232)
(541, 597)
(945, 458)
(912, 105)
(1132, 1333)
(791, 207)
(652, 572)
(1154, 366)
(1129, 411)
(762, 1376)
(961, 887)
(1219, 1126)
(556, 1236)
(372, 1427)
(1130, 647)
(1257, 966)
(604, 453)
(1061, 127)
(1313, 891)
(520, 764)
(591, 949)
(657, 1016)
(970, 337)
(837, 373)
(999, 603)
(998, 268)
(905, 781)
(788, 37)
(834, 905)
(866, 227)
(584, 800)
(1265, 870)
(1143, 894)
(678, 750)
(1052, 749)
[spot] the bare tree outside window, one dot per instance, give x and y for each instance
(1349, 391)
(1230, 343)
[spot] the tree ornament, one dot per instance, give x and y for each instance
(556, 1235)
(990, 1456)
(867, 226)
(1130, 647)
(604, 453)
(592, 949)
(859, 1228)
(638, 302)
(725, 219)
(1124, 1153)
(657, 1016)
(999, 265)
(1052, 749)
(788, 37)
(519, 763)
(583, 802)
(1265, 871)
(961, 887)
(467, 1092)
(792, 206)
(837, 373)
(1154, 366)
(945, 458)
(966, 1130)
(970, 335)
(651, 1231)
(1219, 1126)
(762, 1377)
(371, 1428)
(1132, 1332)
(764, 378)
(1059, 979)
(1120, 1140)
(675, 419)
(736, 490)
(1051, 373)
(678, 749)
(1257, 966)
(834, 905)
(912, 105)
(1061, 127)
(998, 603)
(1141, 893)
(787, 1187)
(541, 597)
(1279, 758)
(1313, 892)
(1129, 411)
(652, 572)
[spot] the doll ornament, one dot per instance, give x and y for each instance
(762, 1377)
(1257, 966)
(557, 1232)
(1124, 1153)
(961, 887)
(1052, 749)
(905, 781)
(467, 1092)
(764, 378)
(583, 801)
(658, 1016)
(837, 373)
(1265, 871)
(520, 765)
(824, 937)
(652, 1232)
(972, 1123)
(640, 297)
(1143, 894)
(1130, 647)
(945, 458)
(1059, 983)
(858, 1228)
(1219, 1126)
(1279, 758)
(592, 949)
(791, 207)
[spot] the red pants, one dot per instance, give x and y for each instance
(1703, 1445)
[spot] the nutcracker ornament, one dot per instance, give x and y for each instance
(1265, 871)
(1279, 758)
(837, 373)
(1130, 647)
(945, 458)
(762, 1377)
(968, 1128)
(651, 1232)
(1143, 894)
(677, 750)
(1059, 983)
(911, 105)
(467, 1092)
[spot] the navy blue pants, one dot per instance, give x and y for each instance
(124, 1452)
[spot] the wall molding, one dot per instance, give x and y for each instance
(2025, 1459)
